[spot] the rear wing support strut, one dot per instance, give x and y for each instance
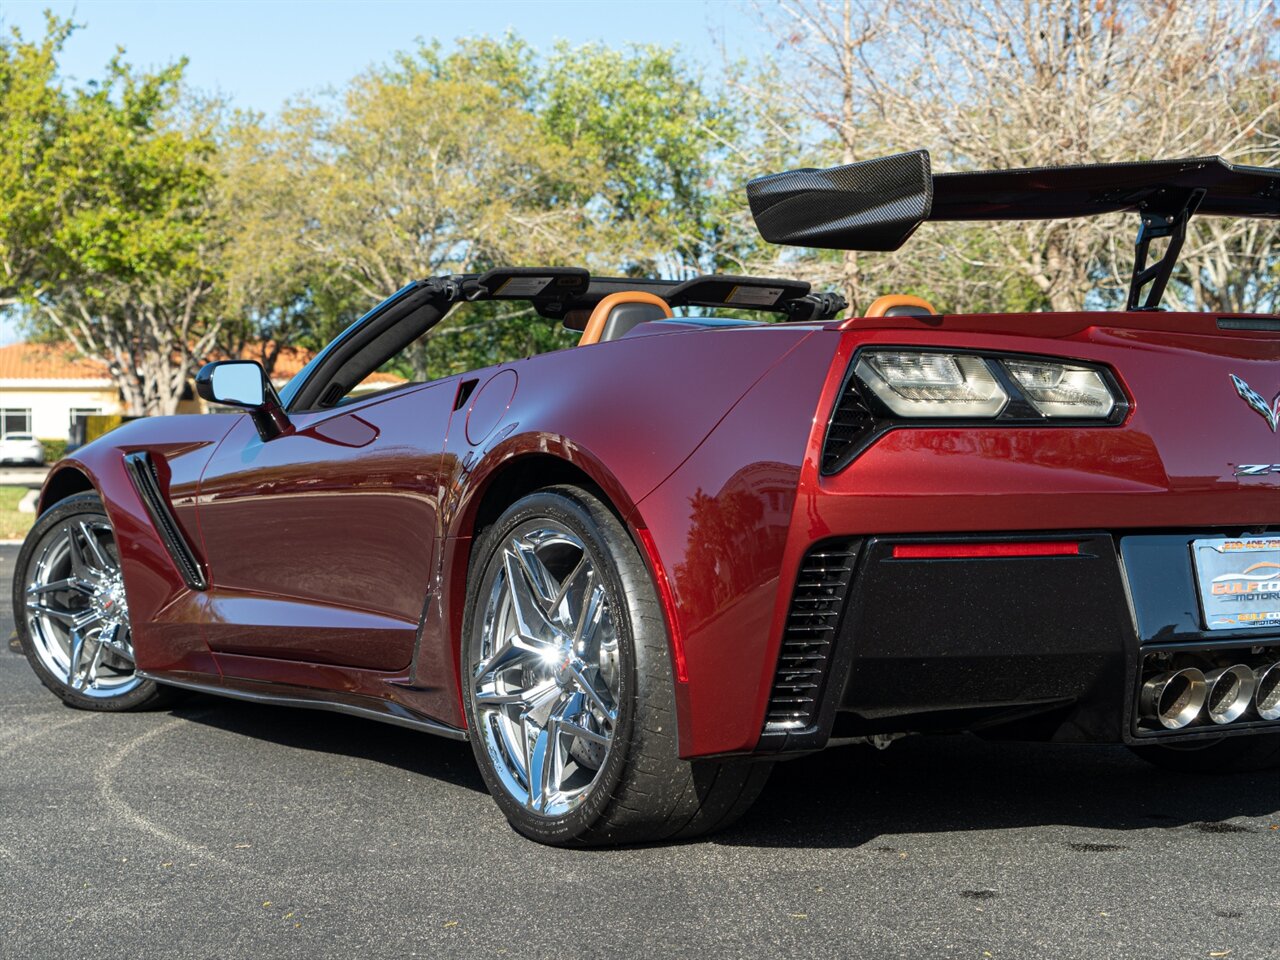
(1156, 225)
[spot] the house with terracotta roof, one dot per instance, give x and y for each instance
(46, 389)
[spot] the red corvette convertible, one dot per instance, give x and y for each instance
(636, 573)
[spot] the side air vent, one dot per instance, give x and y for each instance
(808, 640)
(142, 471)
(850, 421)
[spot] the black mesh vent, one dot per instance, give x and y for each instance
(807, 641)
(850, 421)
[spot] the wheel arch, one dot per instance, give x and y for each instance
(513, 471)
(522, 475)
(64, 480)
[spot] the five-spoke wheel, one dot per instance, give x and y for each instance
(72, 612)
(545, 675)
(569, 688)
(77, 612)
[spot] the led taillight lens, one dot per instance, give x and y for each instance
(933, 384)
(915, 384)
(1062, 389)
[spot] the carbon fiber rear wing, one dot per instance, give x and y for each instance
(878, 204)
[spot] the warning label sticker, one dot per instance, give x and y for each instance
(522, 287)
(755, 296)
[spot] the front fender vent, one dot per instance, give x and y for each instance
(804, 660)
(142, 471)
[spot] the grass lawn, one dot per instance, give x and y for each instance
(13, 525)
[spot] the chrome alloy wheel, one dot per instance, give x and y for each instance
(77, 614)
(545, 674)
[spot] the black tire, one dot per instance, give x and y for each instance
(146, 694)
(644, 791)
(1243, 754)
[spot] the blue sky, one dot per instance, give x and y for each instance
(260, 52)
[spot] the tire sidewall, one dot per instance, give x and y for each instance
(583, 518)
(80, 504)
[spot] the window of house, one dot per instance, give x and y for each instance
(80, 414)
(15, 420)
(76, 432)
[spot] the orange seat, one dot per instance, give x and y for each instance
(900, 305)
(618, 313)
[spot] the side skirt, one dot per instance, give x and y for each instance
(370, 708)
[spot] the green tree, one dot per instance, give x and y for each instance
(32, 112)
(275, 290)
(435, 164)
(136, 239)
(657, 138)
(112, 240)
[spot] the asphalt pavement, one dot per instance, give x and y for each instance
(224, 829)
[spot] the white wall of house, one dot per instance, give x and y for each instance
(51, 402)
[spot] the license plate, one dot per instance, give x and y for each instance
(1239, 582)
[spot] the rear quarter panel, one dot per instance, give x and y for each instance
(627, 413)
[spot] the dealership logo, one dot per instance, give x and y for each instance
(1269, 412)
(1261, 577)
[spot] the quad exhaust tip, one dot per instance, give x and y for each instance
(1267, 692)
(1228, 692)
(1176, 698)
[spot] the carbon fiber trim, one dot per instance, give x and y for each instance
(878, 204)
(143, 474)
(872, 205)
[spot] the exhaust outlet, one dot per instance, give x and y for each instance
(1229, 691)
(1175, 699)
(1267, 695)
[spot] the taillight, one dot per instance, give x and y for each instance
(917, 383)
(889, 388)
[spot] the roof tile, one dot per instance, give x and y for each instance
(40, 361)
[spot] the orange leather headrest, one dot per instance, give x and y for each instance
(900, 305)
(600, 315)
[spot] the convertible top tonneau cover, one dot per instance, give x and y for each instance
(878, 204)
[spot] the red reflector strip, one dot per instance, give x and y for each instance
(957, 551)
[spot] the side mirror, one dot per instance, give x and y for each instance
(243, 383)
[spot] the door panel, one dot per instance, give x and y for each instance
(321, 543)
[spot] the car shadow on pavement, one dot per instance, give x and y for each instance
(852, 796)
(445, 760)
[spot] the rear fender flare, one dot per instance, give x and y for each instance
(464, 513)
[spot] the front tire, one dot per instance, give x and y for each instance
(568, 685)
(71, 613)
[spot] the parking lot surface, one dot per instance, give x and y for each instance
(225, 829)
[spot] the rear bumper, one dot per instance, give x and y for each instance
(1051, 647)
